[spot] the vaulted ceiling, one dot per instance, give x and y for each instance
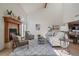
(32, 7)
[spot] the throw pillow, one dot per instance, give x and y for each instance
(19, 38)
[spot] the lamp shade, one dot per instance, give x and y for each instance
(64, 28)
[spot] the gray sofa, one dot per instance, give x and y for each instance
(17, 43)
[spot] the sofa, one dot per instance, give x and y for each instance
(17, 41)
(55, 40)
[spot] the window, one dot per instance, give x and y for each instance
(23, 27)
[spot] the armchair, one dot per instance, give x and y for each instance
(41, 39)
(28, 36)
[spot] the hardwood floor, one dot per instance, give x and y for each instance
(5, 52)
(74, 50)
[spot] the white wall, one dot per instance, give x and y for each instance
(45, 17)
(1, 34)
(17, 10)
(70, 11)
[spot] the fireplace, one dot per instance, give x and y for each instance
(12, 30)
(11, 25)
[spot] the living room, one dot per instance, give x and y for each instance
(41, 21)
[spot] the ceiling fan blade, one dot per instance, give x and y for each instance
(45, 5)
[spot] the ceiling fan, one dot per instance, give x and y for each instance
(45, 5)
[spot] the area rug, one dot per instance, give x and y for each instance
(35, 49)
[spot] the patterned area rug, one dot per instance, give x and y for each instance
(35, 49)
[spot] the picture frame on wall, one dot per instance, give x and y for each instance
(37, 26)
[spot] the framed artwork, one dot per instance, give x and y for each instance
(37, 26)
(55, 27)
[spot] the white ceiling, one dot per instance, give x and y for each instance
(32, 7)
